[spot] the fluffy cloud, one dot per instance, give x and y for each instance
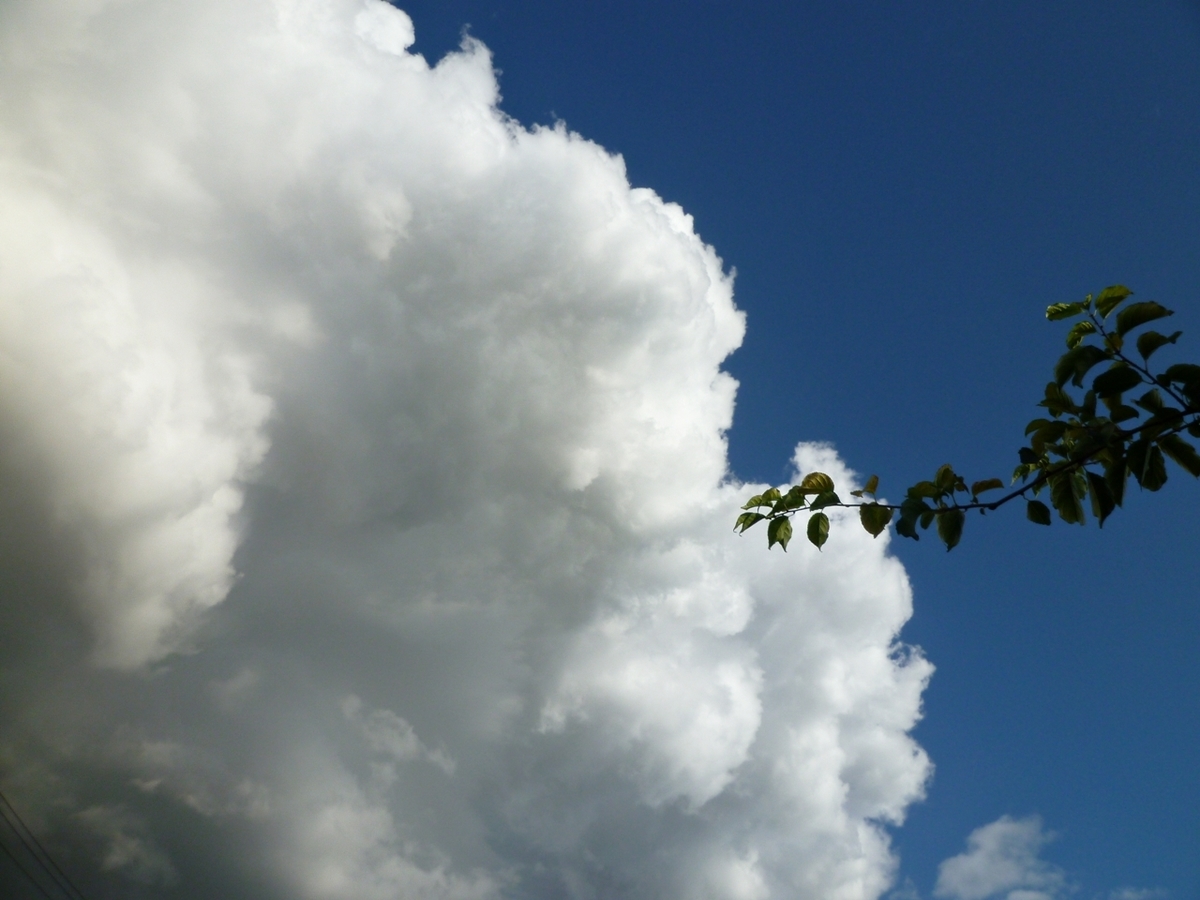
(1002, 861)
(366, 523)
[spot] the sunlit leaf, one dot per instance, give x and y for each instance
(1138, 314)
(1057, 311)
(823, 499)
(1037, 512)
(1078, 332)
(872, 485)
(874, 518)
(1110, 298)
(950, 526)
(816, 483)
(1150, 341)
(770, 496)
(745, 520)
(989, 484)
(1057, 401)
(780, 532)
(818, 529)
(754, 501)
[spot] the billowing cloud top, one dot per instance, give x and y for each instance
(366, 515)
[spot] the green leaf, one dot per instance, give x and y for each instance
(1151, 401)
(990, 484)
(1139, 314)
(945, 479)
(1075, 364)
(770, 496)
(1110, 298)
(1028, 457)
(1117, 379)
(1037, 512)
(818, 529)
(907, 528)
(1150, 341)
(1102, 498)
(1182, 373)
(1147, 465)
(823, 499)
(745, 520)
(950, 526)
(1057, 311)
(780, 532)
(1116, 474)
(874, 518)
(816, 483)
(872, 485)
(754, 501)
(1058, 401)
(1078, 332)
(1182, 453)
(1065, 498)
(923, 489)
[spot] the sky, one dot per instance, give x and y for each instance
(377, 402)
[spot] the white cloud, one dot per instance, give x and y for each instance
(1003, 861)
(322, 379)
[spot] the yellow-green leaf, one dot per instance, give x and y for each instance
(874, 518)
(818, 529)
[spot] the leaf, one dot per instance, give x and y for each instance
(754, 501)
(874, 518)
(1182, 453)
(1102, 498)
(745, 520)
(1182, 373)
(1078, 332)
(1065, 499)
(1057, 401)
(950, 526)
(1151, 401)
(1028, 457)
(907, 528)
(989, 484)
(1075, 364)
(1110, 298)
(1117, 379)
(770, 496)
(823, 499)
(816, 483)
(1057, 311)
(1116, 474)
(1138, 314)
(945, 478)
(872, 485)
(1150, 341)
(1037, 512)
(780, 532)
(818, 529)
(1147, 465)
(923, 489)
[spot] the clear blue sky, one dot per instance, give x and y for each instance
(902, 189)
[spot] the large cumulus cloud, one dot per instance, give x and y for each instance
(366, 515)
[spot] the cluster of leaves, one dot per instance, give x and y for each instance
(1083, 453)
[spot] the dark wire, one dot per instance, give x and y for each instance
(60, 880)
(16, 862)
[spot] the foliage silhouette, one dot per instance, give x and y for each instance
(1076, 454)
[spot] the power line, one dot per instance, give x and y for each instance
(16, 862)
(41, 855)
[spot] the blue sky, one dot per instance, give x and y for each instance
(365, 529)
(902, 189)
